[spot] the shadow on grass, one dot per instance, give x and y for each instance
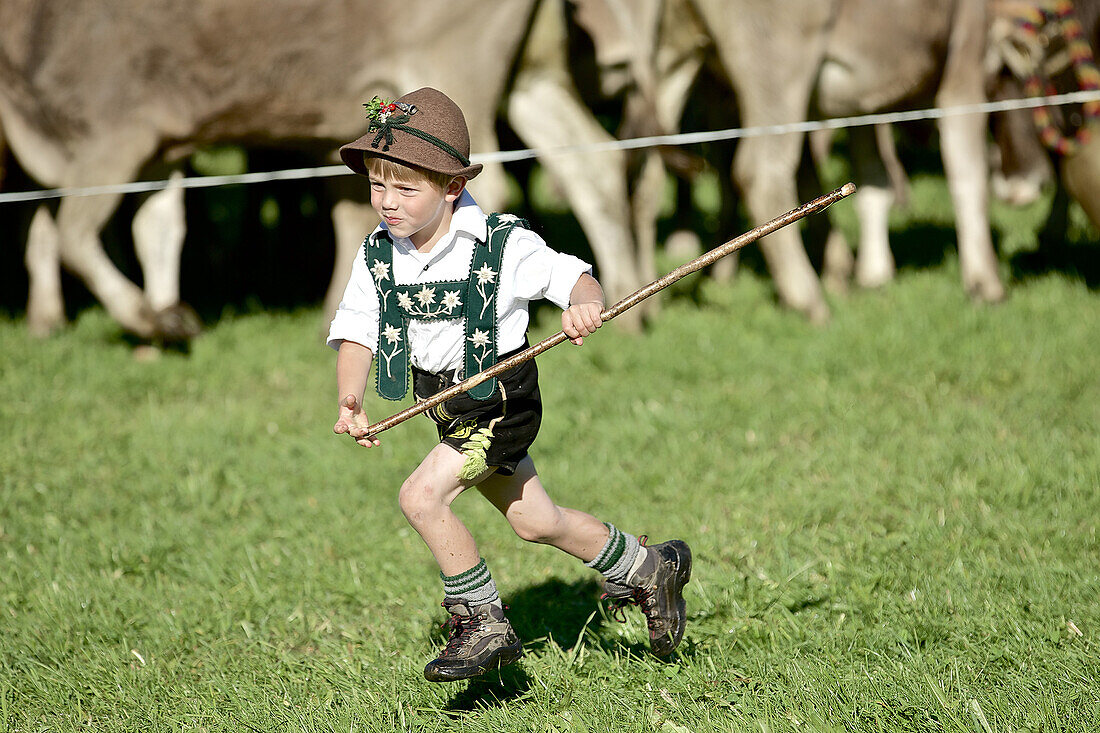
(1079, 261)
(491, 690)
(921, 246)
(554, 610)
(566, 612)
(1058, 250)
(551, 610)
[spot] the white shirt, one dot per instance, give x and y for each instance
(529, 270)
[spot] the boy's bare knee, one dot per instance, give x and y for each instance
(417, 498)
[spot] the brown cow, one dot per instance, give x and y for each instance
(90, 93)
(789, 61)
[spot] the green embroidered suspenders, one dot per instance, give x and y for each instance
(473, 299)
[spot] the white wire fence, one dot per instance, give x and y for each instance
(506, 156)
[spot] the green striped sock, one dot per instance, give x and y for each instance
(617, 556)
(475, 586)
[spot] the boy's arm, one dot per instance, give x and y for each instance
(582, 317)
(352, 368)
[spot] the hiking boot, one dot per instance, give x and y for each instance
(657, 588)
(481, 639)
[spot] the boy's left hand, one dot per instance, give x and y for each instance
(580, 320)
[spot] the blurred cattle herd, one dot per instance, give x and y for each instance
(94, 93)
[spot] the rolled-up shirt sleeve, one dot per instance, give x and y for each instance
(542, 272)
(356, 318)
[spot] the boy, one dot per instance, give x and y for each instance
(443, 289)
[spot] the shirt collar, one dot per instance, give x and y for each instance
(468, 217)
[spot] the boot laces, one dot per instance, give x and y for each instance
(642, 597)
(639, 596)
(460, 631)
(461, 628)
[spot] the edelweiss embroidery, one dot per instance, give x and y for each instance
(392, 336)
(451, 300)
(472, 299)
(481, 341)
(381, 271)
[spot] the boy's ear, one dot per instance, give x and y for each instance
(454, 188)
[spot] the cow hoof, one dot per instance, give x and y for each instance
(818, 313)
(986, 291)
(44, 327)
(176, 324)
(146, 354)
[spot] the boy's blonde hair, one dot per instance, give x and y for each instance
(391, 170)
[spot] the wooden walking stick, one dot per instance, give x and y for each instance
(709, 258)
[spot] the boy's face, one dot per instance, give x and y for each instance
(413, 208)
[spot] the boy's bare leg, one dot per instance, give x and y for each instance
(481, 637)
(426, 498)
(651, 577)
(522, 499)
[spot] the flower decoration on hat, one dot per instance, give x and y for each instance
(386, 116)
(381, 110)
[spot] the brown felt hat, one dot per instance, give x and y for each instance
(423, 129)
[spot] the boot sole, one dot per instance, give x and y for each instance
(501, 657)
(682, 578)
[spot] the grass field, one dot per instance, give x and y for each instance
(894, 521)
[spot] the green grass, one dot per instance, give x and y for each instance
(893, 518)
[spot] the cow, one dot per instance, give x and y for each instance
(1030, 45)
(92, 94)
(788, 62)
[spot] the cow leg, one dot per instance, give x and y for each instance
(1021, 164)
(159, 228)
(80, 218)
(545, 115)
(45, 305)
(963, 149)
(649, 188)
(765, 170)
(765, 174)
(677, 55)
(545, 111)
(874, 197)
(964, 152)
(773, 88)
(1081, 177)
(838, 263)
(79, 221)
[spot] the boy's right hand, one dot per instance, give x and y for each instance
(353, 421)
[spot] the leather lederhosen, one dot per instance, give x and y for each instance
(503, 426)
